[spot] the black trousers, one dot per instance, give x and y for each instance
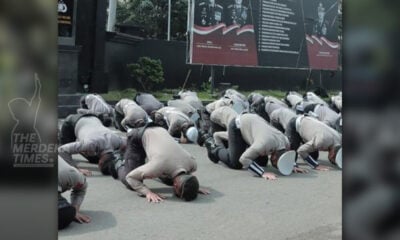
(66, 212)
(295, 139)
(231, 155)
(278, 126)
(293, 136)
(134, 156)
(204, 126)
(216, 128)
(67, 133)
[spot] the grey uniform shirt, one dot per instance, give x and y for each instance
(262, 138)
(337, 101)
(166, 158)
(294, 98)
(244, 104)
(272, 103)
(326, 115)
(92, 139)
(316, 135)
(255, 98)
(282, 116)
(69, 178)
(312, 97)
(222, 116)
(132, 112)
(96, 105)
(183, 106)
(148, 102)
(232, 92)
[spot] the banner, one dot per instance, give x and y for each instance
(322, 33)
(264, 33)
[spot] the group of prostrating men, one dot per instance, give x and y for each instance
(238, 131)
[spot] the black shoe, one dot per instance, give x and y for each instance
(209, 144)
(213, 155)
(211, 150)
(113, 171)
(203, 137)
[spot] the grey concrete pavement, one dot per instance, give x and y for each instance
(240, 206)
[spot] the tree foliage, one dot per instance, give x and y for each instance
(147, 72)
(153, 16)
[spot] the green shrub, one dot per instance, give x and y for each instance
(147, 72)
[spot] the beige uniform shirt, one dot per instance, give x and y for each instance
(183, 106)
(70, 178)
(314, 98)
(282, 116)
(294, 98)
(262, 138)
(175, 119)
(316, 135)
(96, 105)
(166, 158)
(223, 116)
(272, 103)
(275, 100)
(132, 112)
(232, 92)
(192, 99)
(218, 103)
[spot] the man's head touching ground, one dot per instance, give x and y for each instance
(186, 187)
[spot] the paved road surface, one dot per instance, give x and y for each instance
(240, 207)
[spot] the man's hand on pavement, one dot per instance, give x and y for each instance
(154, 197)
(269, 176)
(81, 218)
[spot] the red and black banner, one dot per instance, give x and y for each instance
(268, 33)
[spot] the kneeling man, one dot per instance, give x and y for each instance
(166, 160)
(263, 139)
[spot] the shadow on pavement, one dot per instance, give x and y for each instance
(201, 198)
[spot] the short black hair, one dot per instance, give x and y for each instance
(278, 153)
(189, 188)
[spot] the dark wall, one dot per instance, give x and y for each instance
(120, 52)
(173, 57)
